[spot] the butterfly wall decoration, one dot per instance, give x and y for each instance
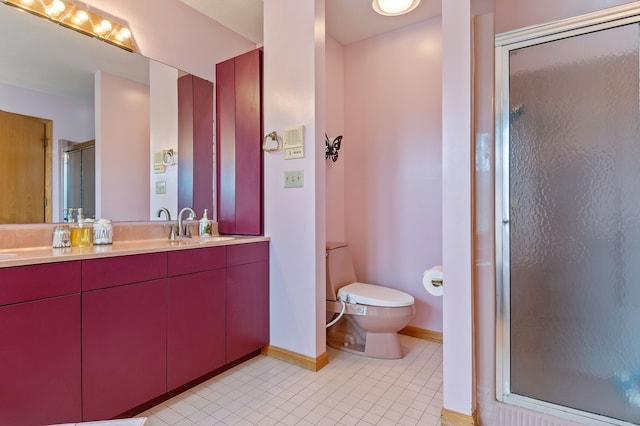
(332, 147)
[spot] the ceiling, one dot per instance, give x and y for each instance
(347, 21)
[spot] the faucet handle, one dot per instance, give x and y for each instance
(187, 230)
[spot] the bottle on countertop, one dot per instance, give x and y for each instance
(205, 225)
(81, 232)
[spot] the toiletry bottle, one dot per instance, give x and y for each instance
(81, 232)
(205, 225)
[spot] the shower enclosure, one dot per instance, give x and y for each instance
(568, 225)
(79, 179)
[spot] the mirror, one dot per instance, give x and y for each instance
(90, 90)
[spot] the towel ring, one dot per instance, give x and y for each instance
(268, 144)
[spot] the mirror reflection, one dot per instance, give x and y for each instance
(95, 114)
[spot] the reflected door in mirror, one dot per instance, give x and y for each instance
(25, 169)
(79, 179)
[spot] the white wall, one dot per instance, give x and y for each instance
(392, 153)
(294, 72)
(73, 120)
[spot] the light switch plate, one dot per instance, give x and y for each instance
(294, 179)
(161, 187)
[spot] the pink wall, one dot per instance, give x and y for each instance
(392, 161)
(458, 351)
(335, 117)
(122, 148)
(163, 92)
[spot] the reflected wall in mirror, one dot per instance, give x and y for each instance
(89, 90)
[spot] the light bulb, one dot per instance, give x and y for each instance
(27, 2)
(80, 17)
(58, 5)
(125, 33)
(105, 25)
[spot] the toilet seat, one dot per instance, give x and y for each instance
(374, 295)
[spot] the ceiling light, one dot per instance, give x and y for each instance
(394, 7)
(80, 18)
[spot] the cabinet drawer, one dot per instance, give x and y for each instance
(24, 283)
(196, 260)
(247, 253)
(114, 271)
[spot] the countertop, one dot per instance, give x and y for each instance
(38, 255)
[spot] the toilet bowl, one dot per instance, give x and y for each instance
(370, 315)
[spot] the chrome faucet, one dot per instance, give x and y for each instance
(166, 212)
(186, 231)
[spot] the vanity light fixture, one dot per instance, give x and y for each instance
(80, 18)
(394, 7)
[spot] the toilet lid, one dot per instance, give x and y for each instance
(374, 295)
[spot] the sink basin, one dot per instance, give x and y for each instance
(209, 240)
(5, 256)
(198, 240)
(218, 238)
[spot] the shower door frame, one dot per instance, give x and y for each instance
(504, 44)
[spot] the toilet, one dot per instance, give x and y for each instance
(366, 318)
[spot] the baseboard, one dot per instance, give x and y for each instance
(453, 418)
(313, 364)
(421, 333)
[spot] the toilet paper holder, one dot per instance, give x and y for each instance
(437, 283)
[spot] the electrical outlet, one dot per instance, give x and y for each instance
(294, 179)
(161, 187)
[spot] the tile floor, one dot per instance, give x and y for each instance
(351, 390)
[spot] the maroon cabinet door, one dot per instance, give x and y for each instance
(124, 344)
(40, 362)
(195, 326)
(239, 144)
(195, 143)
(247, 309)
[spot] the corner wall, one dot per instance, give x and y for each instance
(294, 93)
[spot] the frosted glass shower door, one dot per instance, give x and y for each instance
(574, 222)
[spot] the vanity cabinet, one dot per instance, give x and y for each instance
(96, 338)
(196, 314)
(124, 333)
(247, 307)
(40, 350)
(239, 144)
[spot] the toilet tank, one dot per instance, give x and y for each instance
(340, 270)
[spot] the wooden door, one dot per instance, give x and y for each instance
(25, 169)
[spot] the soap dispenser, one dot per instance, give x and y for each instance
(81, 232)
(205, 225)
